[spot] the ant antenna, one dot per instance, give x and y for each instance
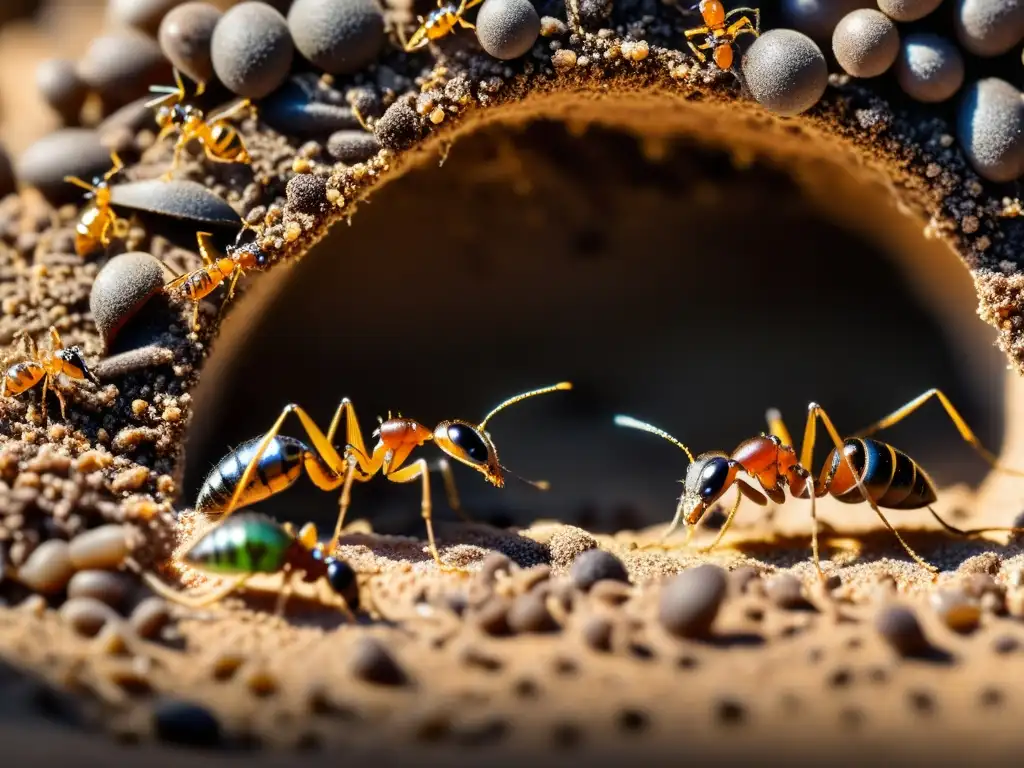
(540, 485)
(512, 400)
(629, 421)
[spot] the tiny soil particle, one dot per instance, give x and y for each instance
(633, 721)
(730, 711)
(371, 661)
(786, 591)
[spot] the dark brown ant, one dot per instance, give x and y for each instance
(719, 33)
(857, 469)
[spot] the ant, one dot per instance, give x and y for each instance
(857, 469)
(45, 367)
(220, 141)
(264, 466)
(98, 220)
(439, 23)
(248, 544)
(719, 33)
(199, 283)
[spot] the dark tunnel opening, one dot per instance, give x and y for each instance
(673, 284)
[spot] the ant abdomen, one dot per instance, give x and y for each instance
(892, 479)
(277, 469)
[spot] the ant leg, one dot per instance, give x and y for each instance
(343, 504)
(116, 165)
(777, 427)
(79, 183)
(451, 491)
(697, 53)
(965, 431)
(971, 532)
(195, 315)
(419, 469)
(745, 21)
(465, 24)
(230, 113)
(814, 412)
(60, 399)
(46, 384)
(286, 591)
(191, 601)
(55, 342)
(728, 521)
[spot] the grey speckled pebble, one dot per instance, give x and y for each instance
(786, 71)
(185, 37)
(339, 36)
(71, 152)
(252, 50)
(818, 18)
(352, 146)
(907, 10)
(690, 601)
(866, 43)
(989, 27)
(144, 15)
(121, 67)
(507, 29)
(48, 568)
(178, 198)
(990, 126)
(122, 287)
(930, 68)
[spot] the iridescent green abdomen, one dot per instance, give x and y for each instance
(244, 543)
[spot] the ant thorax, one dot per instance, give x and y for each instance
(440, 16)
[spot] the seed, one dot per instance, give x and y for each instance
(593, 566)
(338, 36)
(399, 127)
(150, 617)
(690, 602)
(87, 615)
(185, 37)
(866, 43)
(507, 29)
(252, 50)
(178, 199)
(132, 361)
(529, 613)
(122, 288)
(786, 591)
(786, 71)
(144, 15)
(48, 569)
(930, 68)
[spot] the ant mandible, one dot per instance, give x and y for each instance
(46, 367)
(98, 219)
(221, 142)
(439, 23)
(261, 467)
(201, 282)
(858, 469)
(720, 33)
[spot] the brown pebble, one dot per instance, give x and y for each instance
(185, 34)
(492, 617)
(150, 617)
(786, 591)
(67, 152)
(594, 565)
(106, 586)
(102, 548)
(115, 638)
(143, 15)
(48, 569)
(597, 633)
(87, 615)
(373, 662)
(261, 682)
(690, 601)
(120, 67)
(493, 564)
(61, 88)
(529, 613)
(956, 609)
(900, 628)
(226, 664)
(611, 592)
(740, 578)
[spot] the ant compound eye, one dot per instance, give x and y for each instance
(713, 478)
(470, 442)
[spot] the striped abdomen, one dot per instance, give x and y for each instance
(893, 479)
(200, 283)
(226, 143)
(244, 543)
(90, 228)
(278, 467)
(22, 376)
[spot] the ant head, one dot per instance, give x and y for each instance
(164, 116)
(74, 364)
(707, 478)
(712, 11)
(249, 256)
(472, 446)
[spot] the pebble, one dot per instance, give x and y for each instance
(121, 67)
(8, 183)
(371, 661)
(306, 193)
(252, 50)
(785, 71)
(507, 29)
(101, 548)
(87, 615)
(179, 199)
(492, 617)
(290, 110)
(956, 610)
(743, 577)
(48, 569)
(132, 361)
(182, 722)
(121, 288)
(786, 591)
(61, 88)
(990, 126)
(338, 36)
(492, 565)
(399, 127)
(67, 152)
(595, 565)
(597, 633)
(150, 617)
(907, 10)
(818, 18)
(143, 15)
(529, 613)
(106, 586)
(900, 628)
(866, 43)
(930, 68)
(989, 27)
(185, 36)
(691, 600)
(611, 591)
(352, 146)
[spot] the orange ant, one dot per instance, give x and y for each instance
(264, 466)
(45, 367)
(199, 283)
(220, 141)
(98, 220)
(439, 23)
(857, 469)
(720, 34)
